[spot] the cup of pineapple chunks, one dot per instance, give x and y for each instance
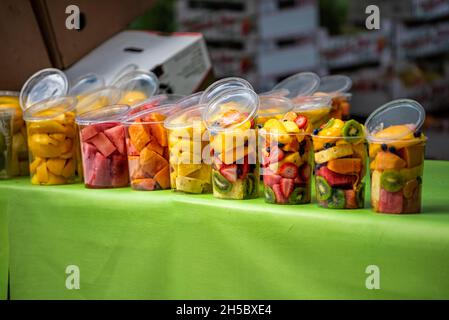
(52, 141)
(396, 150)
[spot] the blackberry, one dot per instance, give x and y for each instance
(417, 134)
(392, 149)
(281, 145)
(316, 131)
(384, 147)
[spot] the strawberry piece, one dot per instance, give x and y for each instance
(278, 193)
(229, 172)
(271, 179)
(336, 180)
(305, 172)
(276, 155)
(287, 187)
(289, 170)
(301, 121)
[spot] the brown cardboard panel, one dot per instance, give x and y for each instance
(23, 50)
(103, 19)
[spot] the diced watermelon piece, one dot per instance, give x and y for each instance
(336, 180)
(103, 144)
(390, 202)
(119, 171)
(100, 127)
(88, 133)
(101, 175)
(117, 137)
(89, 153)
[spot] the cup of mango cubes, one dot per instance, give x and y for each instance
(137, 86)
(52, 141)
(340, 164)
(103, 147)
(396, 151)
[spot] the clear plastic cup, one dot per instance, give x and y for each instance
(156, 101)
(137, 86)
(340, 165)
(396, 150)
(19, 158)
(97, 99)
(52, 141)
(86, 84)
(220, 86)
(272, 107)
(286, 164)
(337, 86)
(44, 84)
(147, 145)
(188, 141)
(316, 108)
(6, 131)
(103, 147)
(230, 118)
(275, 93)
(299, 85)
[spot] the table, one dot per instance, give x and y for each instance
(165, 245)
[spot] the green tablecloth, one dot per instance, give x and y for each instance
(160, 245)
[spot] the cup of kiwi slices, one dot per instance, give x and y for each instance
(285, 152)
(340, 164)
(396, 150)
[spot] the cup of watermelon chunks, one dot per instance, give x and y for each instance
(52, 141)
(147, 145)
(230, 118)
(340, 164)
(188, 140)
(396, 150)
(103, 147)
(286, 159)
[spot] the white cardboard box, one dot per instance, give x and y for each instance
(180, 60)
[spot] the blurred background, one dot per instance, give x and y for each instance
(263, 41)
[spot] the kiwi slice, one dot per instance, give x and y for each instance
(337, 200)
(250, 186)
(360, 195)
(323, 189)
(329, 124)
(299, 195)
(392, 181)
(351, 131)
(270, 197)
(221, 184)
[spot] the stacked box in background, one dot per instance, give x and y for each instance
(262, 41)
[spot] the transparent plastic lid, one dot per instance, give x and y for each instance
(145, 115)
(115, 113)
(42, 85)
(156, 101)
(99, 98)
(275, 93)
(222, 85)
(335, 84)
(9, 94)
(125, 70)
(185, 118)
(143, 82)
(312, 103)
(300, 84)
(86, 84)
(407, 115)
(50, 108)
(273, 106)
(230, 109)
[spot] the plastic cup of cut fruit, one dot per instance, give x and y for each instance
(230, 118)
(188, 140)
(19, 153)
(6, 131)
(137, 86)
(272, 107)
(396, 150)
(340, 164)
(337, 87)
(286, 163)
(315, 108)
(86, 84)
(103, 147)
(299, 85)
(97, 99)
(147, 145)
(52, 141)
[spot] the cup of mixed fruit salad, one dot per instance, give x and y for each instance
(188, 142)
(340, 164)
(286, 159)
(6, 130)
(103, 147)
(52, 141)
(19, 151)
(272, 107)
(315, 108)
(396, 150)
(231, 120)
(337, 87)
(147, 145)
